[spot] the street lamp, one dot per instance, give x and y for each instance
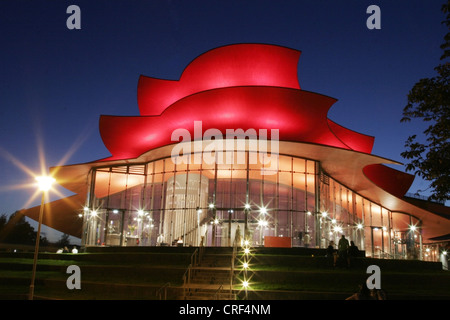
(44, 185)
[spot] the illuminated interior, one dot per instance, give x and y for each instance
(160, 202)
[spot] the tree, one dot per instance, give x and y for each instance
(64, 241)
(16, 230)
(429, 100)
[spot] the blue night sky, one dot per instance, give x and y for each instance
(56, 82)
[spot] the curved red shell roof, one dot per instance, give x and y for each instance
(244, 86)
(228, 66)
(393, 181)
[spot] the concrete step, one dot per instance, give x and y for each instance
(209, 277)
(215, 261)
(218, 281)
(207, 298)
(204, 278)
(209, 293)
(211, 274)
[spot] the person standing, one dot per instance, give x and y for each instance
(353, 252)
(343, 250)
(331, 254)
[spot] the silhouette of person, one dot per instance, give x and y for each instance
(353, 252)
(331, 254)
(343, 250)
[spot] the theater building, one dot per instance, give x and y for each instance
(235, 149)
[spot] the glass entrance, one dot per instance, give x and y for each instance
(227, 227)
(114, 223)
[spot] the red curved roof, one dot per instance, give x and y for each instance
(228, 66)
(393, 181)
(298, 115)
(232, 87)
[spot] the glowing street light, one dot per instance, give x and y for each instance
(44, 185)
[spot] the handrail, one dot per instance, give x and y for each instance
(200, 253)
(187, 274)
(194, 257)
(184, 275)
(233, 257)
(397, 256)
(218, 291)
(165, 291)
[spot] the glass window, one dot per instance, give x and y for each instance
(161, 201)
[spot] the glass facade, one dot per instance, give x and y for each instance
(373, 228)
(166, 202)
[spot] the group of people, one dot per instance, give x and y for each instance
(344, 254)
(66, 250)
(365, 293)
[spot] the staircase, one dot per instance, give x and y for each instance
(212, 278)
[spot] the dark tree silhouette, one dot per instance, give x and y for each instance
(64, 241)
(16, 230)
(429, 100)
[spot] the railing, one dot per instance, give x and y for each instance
(201, 251)
(160, 290)
(233, 258)
(423, 198)
(218, 292)
(196, 259)
(387, 255)
(186, 280)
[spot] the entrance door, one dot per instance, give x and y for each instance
(114, 226)
(380, 242)
(227, 227)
